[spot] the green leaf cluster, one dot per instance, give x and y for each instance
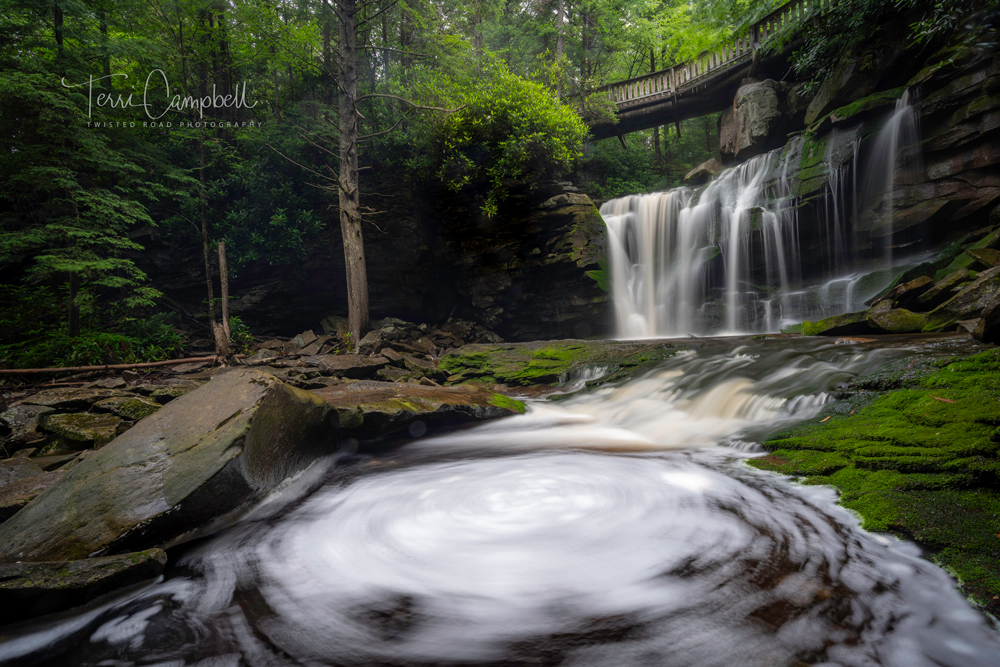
(508, 129)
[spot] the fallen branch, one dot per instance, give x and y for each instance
(113, 367)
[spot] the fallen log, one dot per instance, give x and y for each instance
(112, 367)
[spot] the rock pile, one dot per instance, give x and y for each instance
(393, 351)
(958, 291)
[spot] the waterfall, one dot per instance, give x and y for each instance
(889, 155)
(682, 266)
(726, 258)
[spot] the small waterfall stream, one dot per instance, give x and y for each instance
(616, 528)
(728, 258)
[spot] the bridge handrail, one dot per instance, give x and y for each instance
(674, 79)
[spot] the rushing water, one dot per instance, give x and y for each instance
(614, 528)
(728, 258)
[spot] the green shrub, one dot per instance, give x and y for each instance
(33, 334)
(509, 128)
(241, 341)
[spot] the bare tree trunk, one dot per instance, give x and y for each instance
(560, 18)
(204, 233)
(224, 280)
(328, 78)
(350, 212)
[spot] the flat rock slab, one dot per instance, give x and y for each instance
(16, 495)
(14, 469)
(28, 590)
(66, 398)
(199, 458)
(369, 409)
(353, 366)
(94, 429)
(132, 408)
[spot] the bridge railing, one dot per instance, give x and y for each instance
(679, 78)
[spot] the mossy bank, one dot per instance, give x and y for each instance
(921, 461)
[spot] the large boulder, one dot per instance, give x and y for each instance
(199, 458)
(757, 122)
(28, 590)
(703, 172)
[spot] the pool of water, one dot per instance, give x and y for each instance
(619, 527)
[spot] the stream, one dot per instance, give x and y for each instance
(614, 527)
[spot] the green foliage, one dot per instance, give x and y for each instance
(601, 275)
(607, 171)
(851, 28)
(67, 197)
(509, 128)
(241, 340)
(32, 333)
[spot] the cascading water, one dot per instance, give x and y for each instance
(611, 529)
(890, 154)
(728, 259)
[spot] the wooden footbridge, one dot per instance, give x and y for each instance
(707, 83)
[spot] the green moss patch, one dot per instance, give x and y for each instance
(507, 403)
(922, 461)
(539, 363)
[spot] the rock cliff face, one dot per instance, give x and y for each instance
(432, 255)
(946, 185)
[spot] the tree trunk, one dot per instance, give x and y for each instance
(328, 79)
(560, 17)
(224, 284)
(203, 197)
(350, 212)
(57, 22)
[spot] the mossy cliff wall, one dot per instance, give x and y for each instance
(945, 187)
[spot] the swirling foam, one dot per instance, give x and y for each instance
(600, 559)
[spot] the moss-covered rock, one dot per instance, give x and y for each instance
(132, 408)
(897, 321)
(369, 410)
(848, 324)
(16, 495)
(879, 100)
(539, 363)
(28, 590)
(922, 461)
(945, 288)
(967, 303)
(87, 429)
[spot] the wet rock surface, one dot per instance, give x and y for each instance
(202, 456)
(370, 410)
(28, 590)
